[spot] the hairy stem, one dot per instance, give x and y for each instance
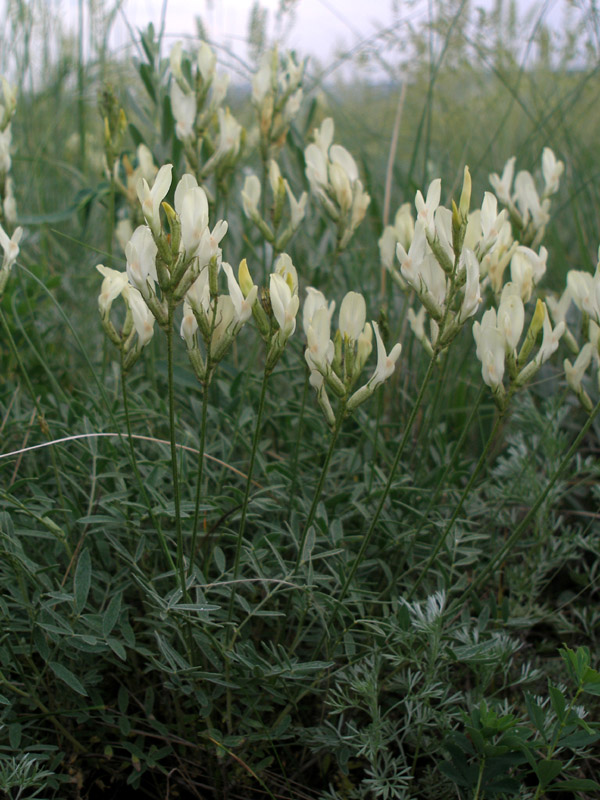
(200, 474)
(296, 456)
(174, 466)
(240, 536)
(324, 470)
(155, 522)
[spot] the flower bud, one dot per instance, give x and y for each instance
(175, 62)
(535, 326)
(244, 278)
(465, 197)
(251, 196)
(364, 346)
(207, 62)
(287, 270)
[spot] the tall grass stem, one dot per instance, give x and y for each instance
(174, 465)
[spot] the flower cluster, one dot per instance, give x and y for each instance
(337, 363)
(161, 268)
(401, 232)
(164, 270)
(275, 314)
(498, 336)
(449, 257)
(583, 289)
(126, 177)
(115, 128)
(333, 177)
(529, 211)
(219, 318)
(277, 96)
(216, 318)
(488, 234)
(282, 227)
(10, 246)
(138, 326)
(441, 264)
(8, 206)
(196, 101)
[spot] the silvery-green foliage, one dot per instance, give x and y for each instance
(24, 773)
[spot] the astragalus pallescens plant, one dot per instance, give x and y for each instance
(583, 289)
(210, 134)
(498, 336)
(440, 267)
(276, 96)
(8, 205)
(218, 319)
(161, 271)
(451, 259)
(10, 247)
(282, 225)
(444, 274)
(125, 177)
(336, 365)
(529, 210)
(333, 177)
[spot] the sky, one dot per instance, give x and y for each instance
(321, 30)
(320, 24)
(321, 27)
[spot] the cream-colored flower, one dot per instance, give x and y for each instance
(472, 293)
(287, 270)
(207, 62)
(575, 372)
(10, 247)
(113, 284)
(251, 196)
(386, 362)
(241, 305)
(511, 315)
(189, 325)
(353, 315)
(550, 339)
(320, 350)
(140, 252)
(314, 301)
(184, 110)
(552, 169)
(503, 185)
(143, 319)
(285, 306)
(152, 198)
(426, 208)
